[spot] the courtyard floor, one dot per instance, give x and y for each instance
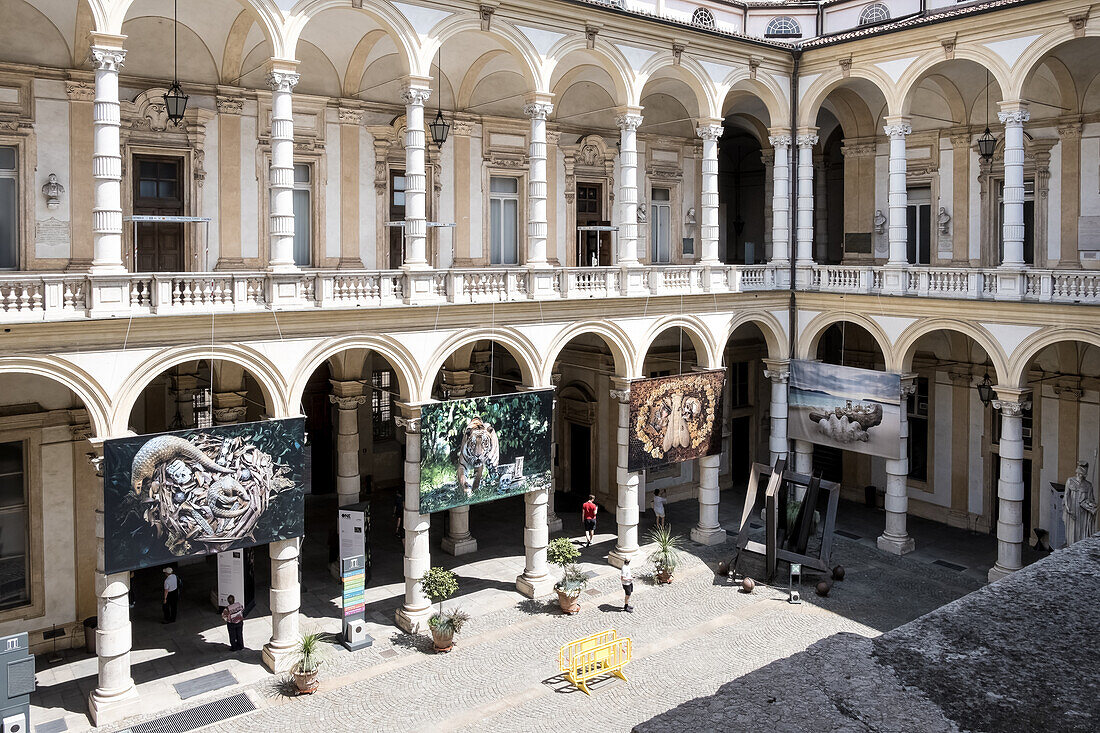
(689, 637)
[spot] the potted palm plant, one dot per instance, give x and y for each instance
(438, 585)
(665, 554)
(310, 654)
(563, 553)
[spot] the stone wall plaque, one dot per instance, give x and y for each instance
(857, 242)
(51, 238)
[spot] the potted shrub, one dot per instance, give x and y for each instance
(311, 652)
(665, 554)
(563, 553)
(438, 585)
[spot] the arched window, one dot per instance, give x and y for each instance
(875, 13)
(702, 18)
(783, 27)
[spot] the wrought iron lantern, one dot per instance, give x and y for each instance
(985, 390)
(986, 145)
(175, 101)
(439, 128)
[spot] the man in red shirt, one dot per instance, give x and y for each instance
(588, 511)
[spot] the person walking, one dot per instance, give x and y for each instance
(588, 512)
(659, 508)
(171, 596)
(234, 622)
(627, 578)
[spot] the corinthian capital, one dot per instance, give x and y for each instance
(1014, 117)
(780, 141)
(416, 95)
(711, 131)
(897, 129)
(538, 110)
(108, 59)
(629, 121)
(807, 140)
(282, 81)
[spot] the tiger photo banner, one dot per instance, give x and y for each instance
(674, 419)
(484, 448)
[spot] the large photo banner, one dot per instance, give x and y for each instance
(844, 407)
(675, 419)
(189, 493)
(484, 448)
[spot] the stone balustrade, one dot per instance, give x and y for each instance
(28, 297)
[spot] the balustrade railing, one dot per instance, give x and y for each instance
(64, 296)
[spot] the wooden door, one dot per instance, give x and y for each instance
(590, 213)
(397, 213)
(158, 191)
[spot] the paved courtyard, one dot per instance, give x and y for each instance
(689, 637)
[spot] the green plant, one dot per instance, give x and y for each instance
(438, 585)
(312, 651)
(563, 553)
(666, 552)
(451, 621)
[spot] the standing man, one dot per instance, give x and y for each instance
(234, 622)
(171, 596)
(659, 508)
(627, 579)
(588, 511)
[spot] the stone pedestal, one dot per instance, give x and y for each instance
(413, 615)
(458, 540)
(626, 509)
(895, 537)
(535, 580)
(708, 531)
(285, 600)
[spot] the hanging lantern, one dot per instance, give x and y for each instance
(439, 128)
(985, 388)
(986, 145)
(175, 102)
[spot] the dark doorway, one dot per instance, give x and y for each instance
(318, 412)
(397, 213)
(918, 223)
(741, 196)
(741, 448)
(158, 191)
(592, 246)
(834, 198)
(580, 465)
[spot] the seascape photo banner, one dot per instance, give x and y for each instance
(844, 407)
(674, 419)
(188, 493)
(484, 448)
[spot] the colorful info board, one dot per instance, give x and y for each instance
(170, 496)
(484, 448)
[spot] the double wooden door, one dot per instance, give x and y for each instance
(158, 191)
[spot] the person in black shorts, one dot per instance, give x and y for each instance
(627, 578)
(588, 512)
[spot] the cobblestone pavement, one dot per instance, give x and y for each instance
(689, 638)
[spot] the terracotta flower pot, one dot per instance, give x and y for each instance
(568, 602)
(305, 681)
(663, 576)
(443, 638)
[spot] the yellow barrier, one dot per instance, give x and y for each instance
(593, 656)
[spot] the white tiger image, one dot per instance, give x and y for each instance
(478, 452)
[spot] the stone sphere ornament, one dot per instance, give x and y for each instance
(824, 587)
(723, 568)
(838, 572)
(748, 585)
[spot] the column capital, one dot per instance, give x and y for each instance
(620, 389)
(709, 128)
(350, 402)
(229, 105)
(908, 385)
(1012, 401)
(806, 137)
(897, 126)
(416, 90)
(538, 105)
(409, 417)
(629, 117)
(1013, 112)
(1070, 129)
(108, 58)
(777, 370)
(79, 91)
(229, 415)
(282, 74)
(350, 116)
(779, 137)
(960, 140)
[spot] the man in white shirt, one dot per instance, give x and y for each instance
(171, 596)
(659, 507)
(627, 578)
(234, 621)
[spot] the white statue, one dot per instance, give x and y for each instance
(1079, 507)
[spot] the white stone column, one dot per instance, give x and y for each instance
(779, 372)
(228, 408)
(626, 503)
(538, 108)
(347, 396)
(708, 531)
(804, 230)
(895, 537)
(553, 521)
(115, 696)
(285, 599)
(1013, 115)
(413, 616)
(415, 94)
(282, 77)
(803, 463)
(108, 55)
(1010, 486)
(897, 128)
(781, 199)
(710, 131)
(536, 579)
(628, 120)
(458, 540)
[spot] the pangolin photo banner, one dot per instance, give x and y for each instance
(188, 493)
(675, 419)
(845, 407)
(484, 448)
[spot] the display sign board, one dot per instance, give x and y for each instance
(845, 407)
(230, 577)
(353, 526)
(674, 419)
(195, 492)
(484, 448)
